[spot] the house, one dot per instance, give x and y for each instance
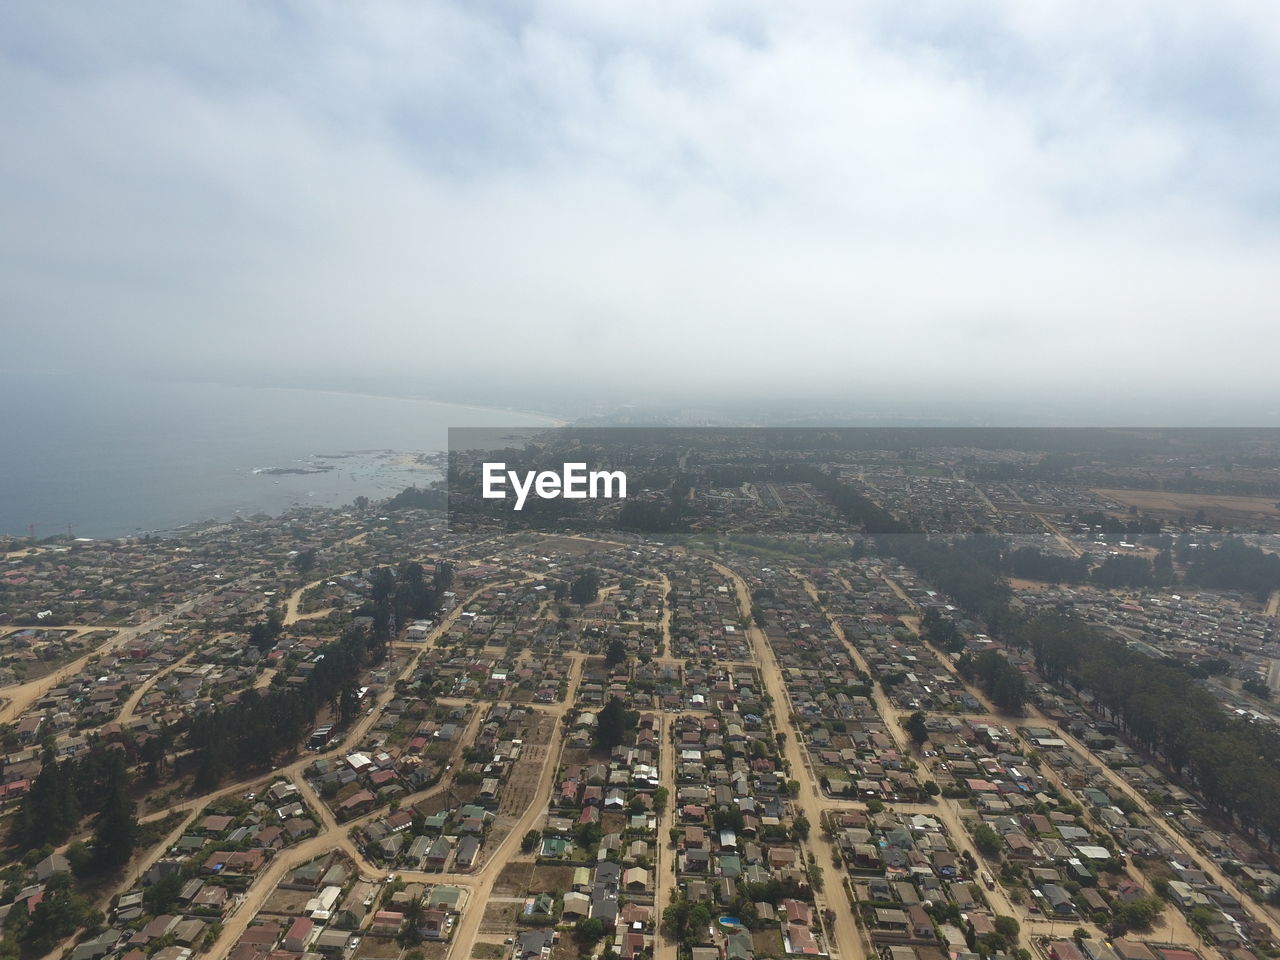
(1131, 949)
(636, 879)
(1065, 950)
(298, 936)
(1058, 900)
(576, 905)
(468, 852)
(210, 897)
(53, 863)
(331, 942)
(359, 802)
(919, 922)
(438, 855)
(387, 923)
(534, 945)
(434, 924)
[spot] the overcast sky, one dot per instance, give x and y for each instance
(786, 198)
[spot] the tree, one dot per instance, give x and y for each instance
(616, 653)
(530, 840)
(59, 914)
(1256, 687)
(589, 931)
(263, 634)
(987, 840)
(815, 877)
(163, 894)
(304, 560)
(411, 934)
(675, 919)
(613, 722)
(801, 826)
(917, 727)
(117, 831)
(1137, 914)
(585, 588)
(1008, 928)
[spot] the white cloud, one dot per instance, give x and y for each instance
(1040, 194)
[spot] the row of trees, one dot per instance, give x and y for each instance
(1030, 564)
(967, 570)
(1234, 764)
(65, 791)
(1234, 565)
(1000, 679)
(251, 732)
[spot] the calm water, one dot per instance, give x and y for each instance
(117, 458)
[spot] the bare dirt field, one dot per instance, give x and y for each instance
(551, 878)
(767, 943)
(566, 949)
(513, 881)
(378, 948)
(499, 917)
(1019, 584)
(1253, 509)
(288, 902)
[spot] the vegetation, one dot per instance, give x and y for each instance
(1234, 565)
(417, 498)
(1029, 563)
(1137, 914)
(616, 653)
(941, 632)
(1002, 682)
(585, 587)
(967, 570)
(1234, 764)
(66, 790)
(915, 725)
(614, 722)
(987, 840)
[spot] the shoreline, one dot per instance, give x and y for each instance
(175, 500)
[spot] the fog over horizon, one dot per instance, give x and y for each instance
(1002, 211)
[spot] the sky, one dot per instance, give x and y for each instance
(1006, 202)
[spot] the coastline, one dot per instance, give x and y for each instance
(554, 420)
(116, 458)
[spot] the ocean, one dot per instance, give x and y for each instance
(112, 457)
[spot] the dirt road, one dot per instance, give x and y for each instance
(842, 936)
(664, 860)
(20, 698)
(464, 935)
